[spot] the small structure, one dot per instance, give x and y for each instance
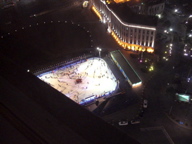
(126, 69)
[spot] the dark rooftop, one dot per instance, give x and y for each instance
(33, 112)
(129, 71)
(128, 16)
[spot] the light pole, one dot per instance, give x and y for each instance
(99, 49)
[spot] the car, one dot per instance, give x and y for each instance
(145, 103)
(123, 123)
(135, 121)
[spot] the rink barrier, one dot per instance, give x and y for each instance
(72, 61)
(60, 64)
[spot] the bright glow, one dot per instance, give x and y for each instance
(171, 44)
(165, 31)
(136, 84)
(131, 46)
(104, 21)
(121, 1)
(96, 12)
(176, 10)
(96, 79)
(190, 35)
(85, 4)
(99, 49)
(171, 29)
(183, 97)
(28, 70)
(159, 15)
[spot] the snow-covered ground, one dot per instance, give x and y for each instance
(95, 79)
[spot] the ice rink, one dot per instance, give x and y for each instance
(82, 81)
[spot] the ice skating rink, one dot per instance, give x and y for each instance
(83, 80)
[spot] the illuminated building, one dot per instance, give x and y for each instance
(131, 31)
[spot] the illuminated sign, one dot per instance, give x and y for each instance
(183, 97)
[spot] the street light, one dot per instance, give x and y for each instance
(176, 10)
(99, 49)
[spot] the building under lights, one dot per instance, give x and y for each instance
(131, 31)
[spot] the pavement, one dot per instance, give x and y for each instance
(181, 114)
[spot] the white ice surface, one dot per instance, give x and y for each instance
(97, 79)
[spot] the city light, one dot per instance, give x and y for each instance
(133, 47)
(176, 10)
(99, 50)
(151, 68)
(96, 12)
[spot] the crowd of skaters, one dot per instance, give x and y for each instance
(64, 79)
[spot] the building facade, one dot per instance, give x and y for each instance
(136, 37)
(154, 8)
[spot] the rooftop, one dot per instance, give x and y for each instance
(34, 112)
(127, 15)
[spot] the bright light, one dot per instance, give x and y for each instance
(165, 31)
(28, 70)
(171, 44)
(96, 12)
(171, 29)
(99, 49)
(190, 35)
(85, 4)
(159, 15)
(104, 21)
(93, 84)
(137, 84)
(176, 10)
